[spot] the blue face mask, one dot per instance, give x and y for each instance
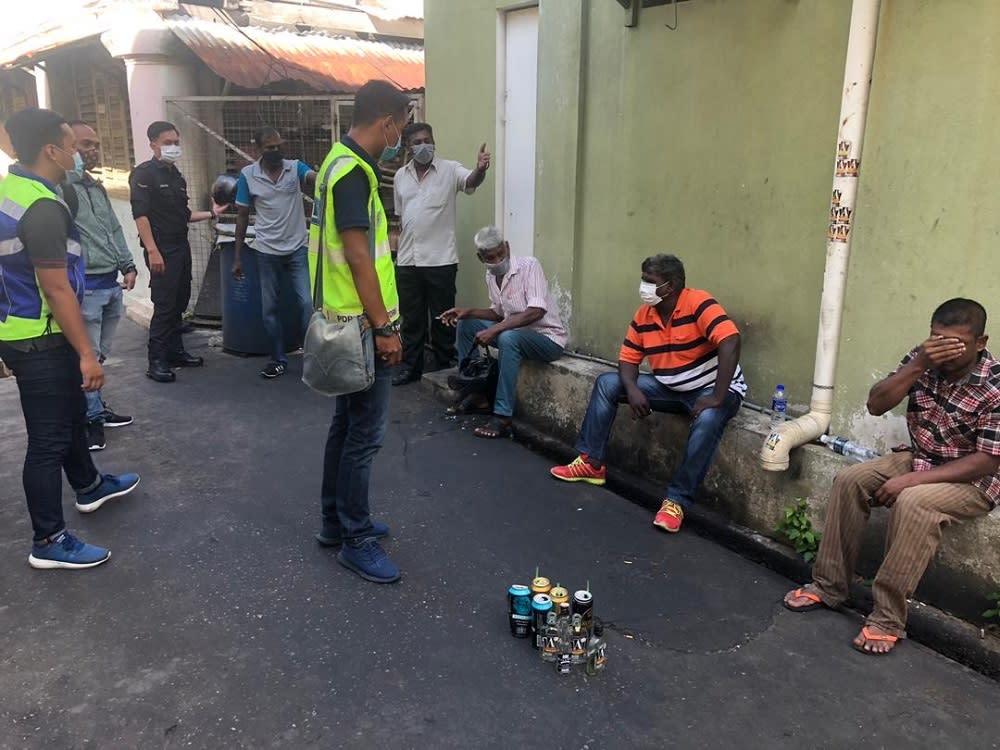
(77, 164)
(391, 152)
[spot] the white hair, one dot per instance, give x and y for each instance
(488, 238)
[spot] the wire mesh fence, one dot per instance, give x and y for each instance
(217, 138)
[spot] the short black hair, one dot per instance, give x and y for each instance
(668, 267)
(158, 128)
(32, 129)
(263, 133)
(961, 312)
(417, 127)
(377, 99)
(74, 123)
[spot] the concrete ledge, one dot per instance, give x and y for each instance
(742, 503)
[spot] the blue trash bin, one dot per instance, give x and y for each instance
(242, 323)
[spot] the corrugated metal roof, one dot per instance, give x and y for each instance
(252, 57)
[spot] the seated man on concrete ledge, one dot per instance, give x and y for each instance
(950, 474)
(521, 322)
(694, 350)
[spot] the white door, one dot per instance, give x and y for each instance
(521, 84)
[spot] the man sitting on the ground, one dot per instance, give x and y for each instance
(694, 350)
(949, 475)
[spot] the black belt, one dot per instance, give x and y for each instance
(37, 344)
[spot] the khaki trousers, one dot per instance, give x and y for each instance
(916, 520)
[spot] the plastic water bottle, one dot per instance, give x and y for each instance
(848, 448)
(779, 405)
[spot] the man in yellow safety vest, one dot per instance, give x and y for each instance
(44, 341)
(359, 279)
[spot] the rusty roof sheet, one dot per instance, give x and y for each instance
(253, 57)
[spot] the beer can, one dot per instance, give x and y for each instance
(583, 605)
(540, 585)
(519, 610)
(541, 604)
(559, 595)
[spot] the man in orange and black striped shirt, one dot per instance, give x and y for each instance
(693, 350)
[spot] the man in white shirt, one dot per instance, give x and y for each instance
(427, 258)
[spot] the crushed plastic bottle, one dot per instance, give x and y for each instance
(848, 448)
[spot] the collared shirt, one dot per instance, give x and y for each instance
(524, 286)
(105, 250)
(426, 210)
(280, 223)
(951, 420)
(158, 191)
(684, 352)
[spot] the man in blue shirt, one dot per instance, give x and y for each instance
(272, 185)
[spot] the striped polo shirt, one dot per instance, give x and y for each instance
(683, 353)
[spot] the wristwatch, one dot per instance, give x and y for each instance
(389, 329)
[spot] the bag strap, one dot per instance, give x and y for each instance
(321, 250)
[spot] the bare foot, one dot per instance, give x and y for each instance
(874, 640)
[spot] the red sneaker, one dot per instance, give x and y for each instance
(580, 471)
(669, 517)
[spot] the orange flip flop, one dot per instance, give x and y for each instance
(816, 601)
(876, 637)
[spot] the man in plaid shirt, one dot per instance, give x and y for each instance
(948, 474)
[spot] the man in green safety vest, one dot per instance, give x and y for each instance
(359, 279)
(44, 341)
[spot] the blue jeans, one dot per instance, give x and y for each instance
(102, 309)
(271, 269)
(513, 346)
(355, 436)
(703, 437)
(49, 381)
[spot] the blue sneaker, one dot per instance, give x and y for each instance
(379, 530)
(111, 486)
(369, 561)
(66, 551)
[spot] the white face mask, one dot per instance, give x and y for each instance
(170, 154)
(647, 293)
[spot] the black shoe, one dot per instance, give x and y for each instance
(95, 436)
(111, 419)
(187, 327)
(405, 376)
(273, 370)
(184, 359)
(159, 372)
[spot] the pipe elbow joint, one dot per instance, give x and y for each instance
(790, 435)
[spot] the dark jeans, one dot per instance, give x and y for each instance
(272, 269)
(170, 293)
(55, 415)
(703, 437)
(425, 293)
(355, 436)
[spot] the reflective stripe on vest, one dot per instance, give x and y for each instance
(340, 296)
(24, 311)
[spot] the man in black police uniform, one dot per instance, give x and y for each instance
(159, 198)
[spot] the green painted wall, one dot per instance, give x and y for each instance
(716, 142)
(927, 226)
